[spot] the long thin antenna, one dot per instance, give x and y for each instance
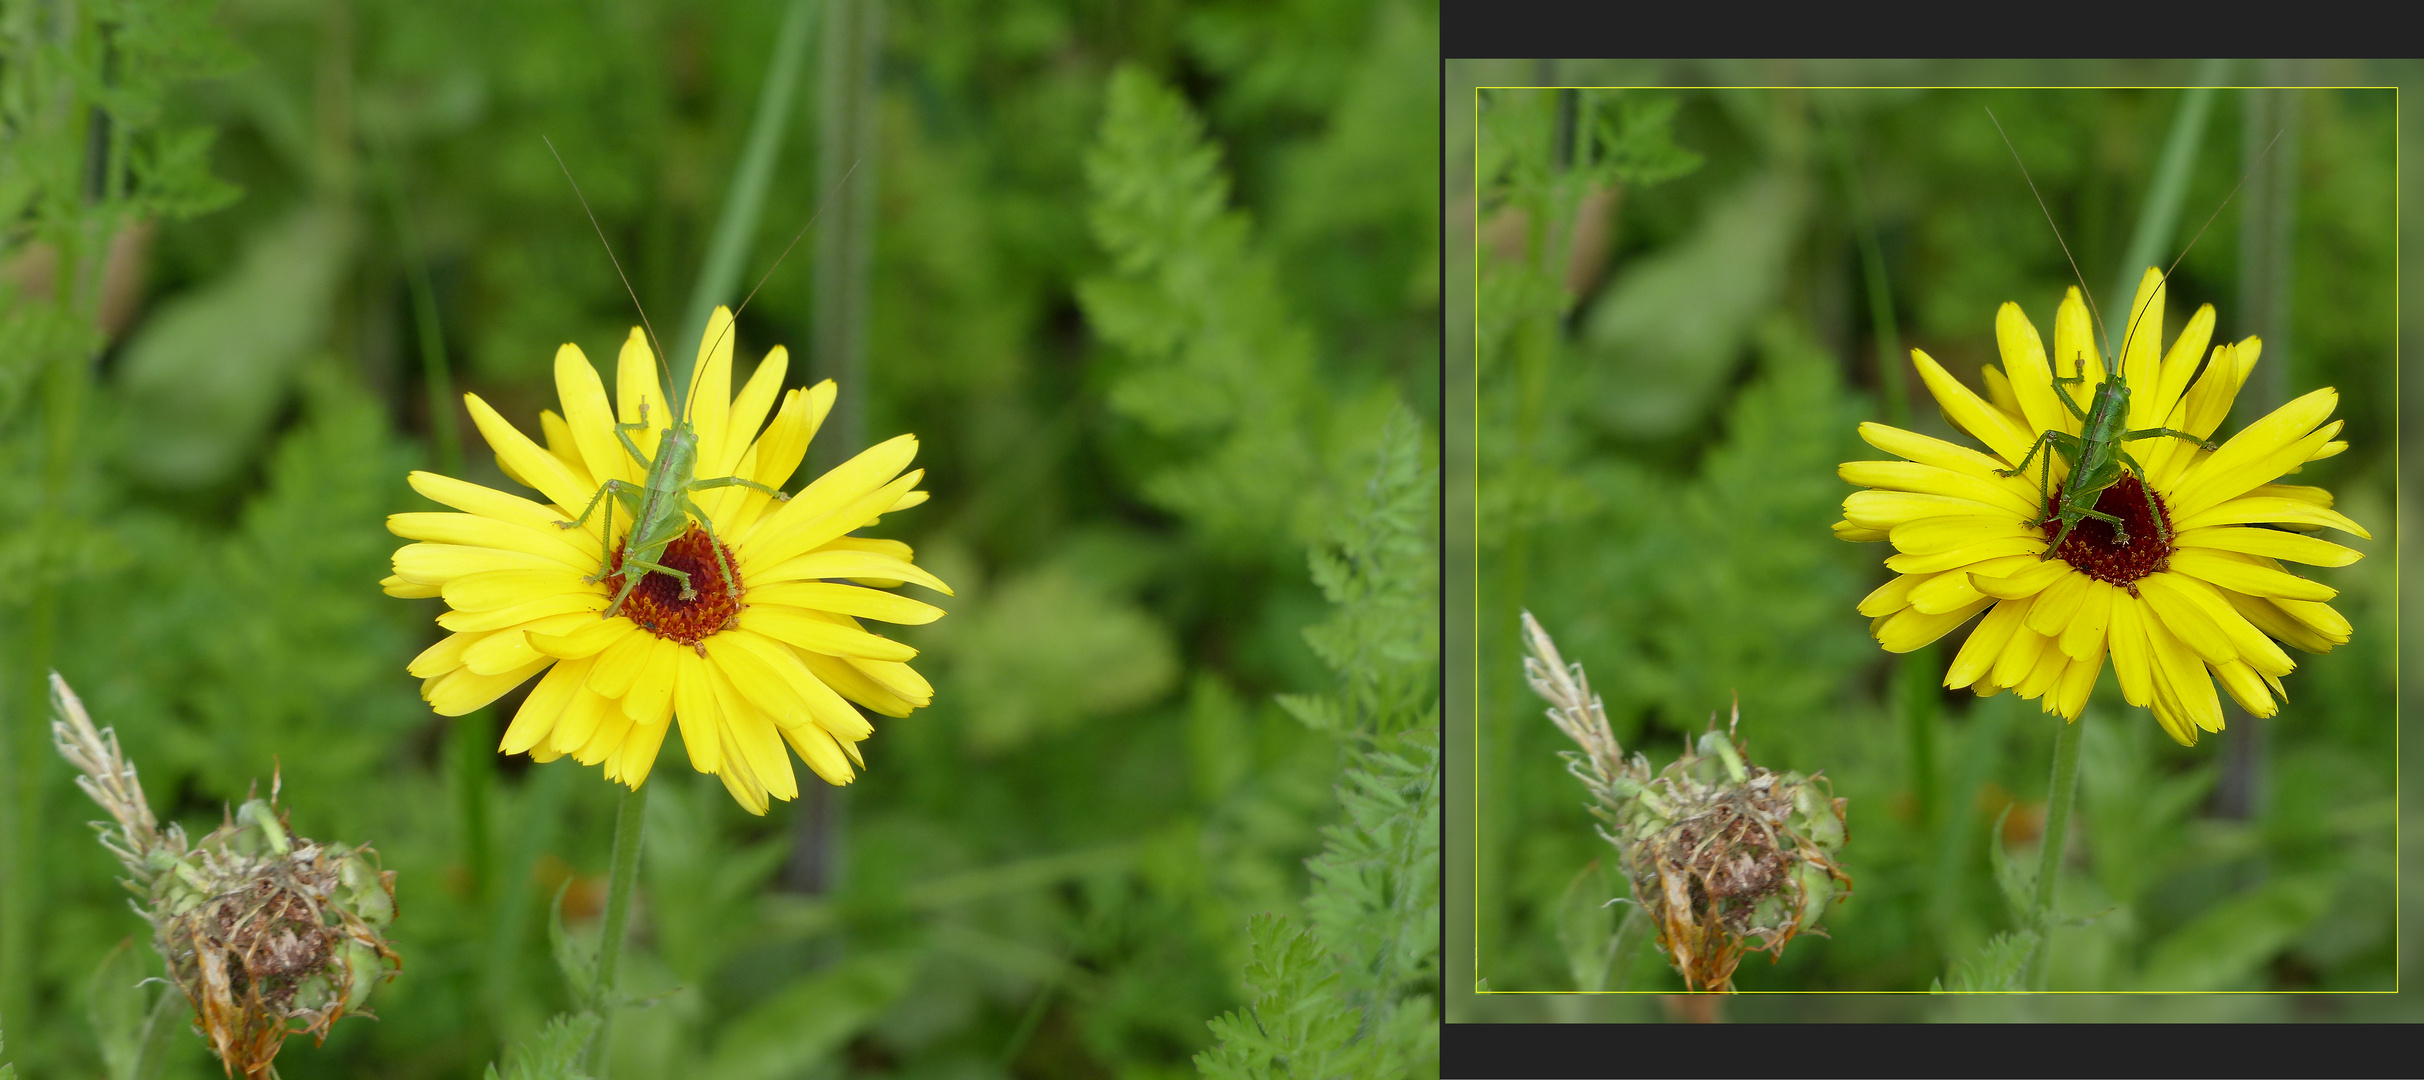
(2209, 223)
(821, 203)
(2049, 221)
(618, 263)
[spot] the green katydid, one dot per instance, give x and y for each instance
(660, 506)
(2096, 455)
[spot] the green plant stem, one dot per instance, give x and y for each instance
(436, 373)
(621, 875)
(2057, 831)
(2160, 218)
(721, 274)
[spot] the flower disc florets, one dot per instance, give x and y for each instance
(2094, 548)
(656, 604)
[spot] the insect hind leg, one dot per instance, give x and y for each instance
(732, 586)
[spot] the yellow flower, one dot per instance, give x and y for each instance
(778, 657)
(2196, 591)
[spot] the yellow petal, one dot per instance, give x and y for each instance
(638, 396)
(2133, 659)
(1883, 510)
(694, 706)
(2247, 688)
(1983, 421)
(444, 656)
(2269, 543)
(473, 530)
(1927, 536)
(437, 564)
(2242, 462)
(1944, 592)
(1999, 393)
(2319, 617)
(900, 678)
(486, 502)
(537, 467)
(2263, 509)
(591, 419)
(1986, 643)
(620, 664)
(655, 688)
(2141, 349)
(2060, 601)
(2045, 675)
(519, 614)
(395, 585)
(2028, 581)
(708, 404)
(509, 586)
(2234, 571)
(536, 719)
(749, 738)
(853, 684)
(464, 690)
(2075, 355)
(1892, 596)
(805, 630)
(823, 756)
(2268, 616)
(2176, 612)
(636, 753)
(1965, 555)
(2019, 656)
(584, 641)
(2177, 664)
(1911, 628)
(772, 540)
(839, 562)
(2246, 641)
(561, 444)
(1931, 480)
(576, 728)
(2032, 381)
(847, 600)
(2082, 636)
(2069, 698)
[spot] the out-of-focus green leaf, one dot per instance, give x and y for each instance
(1586, 927)
(208, 372)
(2226, 947)
(1667, 334)
(1047, 649)
(801, 1024)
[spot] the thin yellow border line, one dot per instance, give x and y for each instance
(2398, 496)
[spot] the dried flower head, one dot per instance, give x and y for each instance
(1724, 855)
(267, 933)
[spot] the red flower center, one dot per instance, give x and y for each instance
(2093, 546)
(656, 603)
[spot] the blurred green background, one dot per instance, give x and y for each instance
(1155, 285)
(1683, 300)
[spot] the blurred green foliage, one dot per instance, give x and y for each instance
(1153, 285)
(1671, 363)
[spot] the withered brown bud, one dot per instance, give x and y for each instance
(1724, 855)
(268, 934)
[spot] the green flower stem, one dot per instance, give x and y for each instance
(2159, 219)
(622, 875)
(720, 278)
(2057, 830)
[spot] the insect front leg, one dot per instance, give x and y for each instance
(2157, 432)
(622, 492)
(2065, 398)
(647, 567)
(735, 481)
